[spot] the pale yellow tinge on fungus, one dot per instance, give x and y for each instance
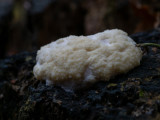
(75, 61)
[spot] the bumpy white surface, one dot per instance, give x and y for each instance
(75, 61)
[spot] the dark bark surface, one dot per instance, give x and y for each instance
(135, 95)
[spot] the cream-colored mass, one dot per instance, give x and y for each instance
(77, 61)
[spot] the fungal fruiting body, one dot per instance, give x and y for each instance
(76, 61)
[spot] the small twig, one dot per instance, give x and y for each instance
(148, 44)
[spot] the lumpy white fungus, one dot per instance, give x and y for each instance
(77, 61)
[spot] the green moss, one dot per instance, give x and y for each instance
(141, 93)
(111, 85)
(26, 109)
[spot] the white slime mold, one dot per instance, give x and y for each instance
(77, 61)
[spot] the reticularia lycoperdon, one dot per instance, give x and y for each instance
(77, 61)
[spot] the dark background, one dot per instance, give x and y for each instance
(25, 25)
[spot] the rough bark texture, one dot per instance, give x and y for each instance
(135, 95)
